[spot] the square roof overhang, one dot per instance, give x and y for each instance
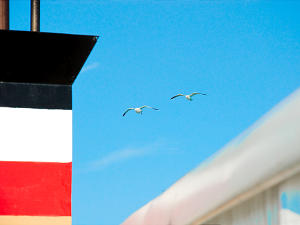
(43, 58)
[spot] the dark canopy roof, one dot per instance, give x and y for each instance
(42, 58)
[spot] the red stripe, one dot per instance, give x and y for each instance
(35, 188)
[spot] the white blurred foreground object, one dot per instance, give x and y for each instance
(243, 183)
(138, 110)
(289, 218)
(188, 97)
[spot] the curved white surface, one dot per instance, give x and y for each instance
(289, 217)
(264, 155)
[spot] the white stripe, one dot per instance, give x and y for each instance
(37, 135)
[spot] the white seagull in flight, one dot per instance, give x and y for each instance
(139, 110)
(188, 97)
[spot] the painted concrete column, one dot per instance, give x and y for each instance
(36, 79)
(35, 158)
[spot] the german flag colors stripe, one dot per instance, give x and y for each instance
(35, 220)
(35, 166)
(37, 189)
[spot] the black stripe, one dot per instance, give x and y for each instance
(41, 96)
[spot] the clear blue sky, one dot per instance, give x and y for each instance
(244, 55)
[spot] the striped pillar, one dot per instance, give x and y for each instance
(35, 157)
(36, 76)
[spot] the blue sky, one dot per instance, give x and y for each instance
(243, 54)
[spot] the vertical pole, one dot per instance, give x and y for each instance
(35, 15)
(4, 14)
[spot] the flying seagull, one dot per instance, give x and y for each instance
(138, 110)
(188, 97)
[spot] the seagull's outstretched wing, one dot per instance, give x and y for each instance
(196, 93)
(177, 96)
(145, 106)
(127, 111)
